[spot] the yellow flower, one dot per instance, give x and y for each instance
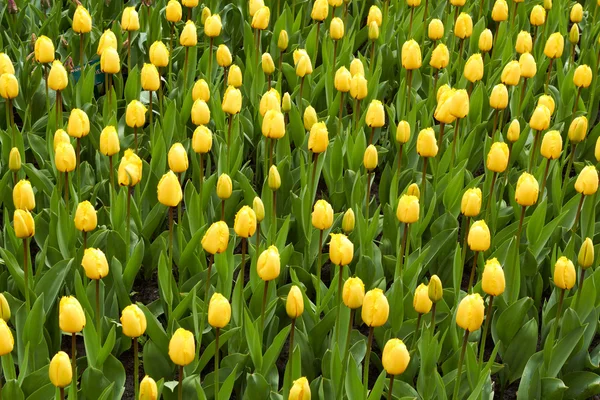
(268, 264)
(107, 40)
(23, 197)
(322, 215)
(300, 390)
(348, 221)
(232, 101)
(478, 238)
(109, 61)
(94, 263)
(283, 40)
(190, 3)
(576, 14)
(64, 157)
(499, 97)
(492, 280)
(71, 318)
(79, 124)
(245, 222)
(500, 11)
(470, 204)
(205, 14)
(259, 208)
(356, 67)
(201, 91)
(133, 321)
(7, 341)
(14, 159)
(586, 254)
(548, 5)
(216, 238)
(130, 169)
(219, 311)
(202, 140)
(435, 291)
(524, 42)
(273, 125)
(463, 28)
(9, 86)
(270, 101)
(130, 20)
(537, 16)
(413, 190)
(318, 139)
(150, 78)
(24, 224)
(528, 65)
(260, 20)
(551, 145)
(547, 101)
(578, 129)
(224, 58)
(587, 181)
(189, 36)
(82, 20)
(135, 114)
(421, 301)
(109, 141)
(212, 26)
(200, 113)
(177, 158)
(527, 190)
(582, 76)
(511, 74)
(353, 293)
(6, 66)
(403, 132)
(514, 131)
(182, 347)
(374, 16)
(302, 63)
(469, 315)
(395, 357)
(375, 309)
(375, 114)
(44, 50)
(554, 45)
(497, 158)
(224, 187)
(159, 54)
(342, 80)
(564, 273)
(86, 219)
(60, 371)
(341, 249)
(540, 119)
(373, 31)
(358, 87)
(320, 10)
(169, 190)
(486, 40)
(408, 209)
(440, 57)
(435, 30)
(370, 158)
(443, 110)
(4, 308)
(336, 28)
(294, 304)
(474, 68)
(274, 180)
(148, 389)
(426, 143)
(268, 66)
(411, 55)
(173, 11)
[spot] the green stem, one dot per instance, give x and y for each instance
(206, 290)
(180, 385)
(26, 272)
(241, 276)
(128, 223)
(340, 394)
(319, 273)
(74, 363)
(170, 237)
(367, 359)
(262, 312)
(390, 389)
(98, 326)
(433, 319)
(485, 330)
(472, 276)
(218, 331)
(460, 363)
(339, 301)
(579, 206)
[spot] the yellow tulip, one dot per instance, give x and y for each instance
(200, 113)
(82, 20)
(300, 390)
(169, 190)
(202, 140)
(421, 301)
(537, 16)
(440, 57)
(576, 14)
(478, 238)
(14, 159)
(375, 309)
(413, 190)
(463, 28)
(7, 341)
(107, 40)
(341, 249)
(318, 139)
(94, 263)
(24, 225)
(79, 124)
(177, 158)
(224, 58)
(500, 11)
(435, 30)
(524, 42)
(547, 101)
(283, 40)
(411, 55)
(245, 222)
(470, 204)
(348, 221)
(554, 45)
(294, 305)
(201, 91)
(4, 308)
(540, 119)
(71, 318)
(224, 187)
(408, 209)
(527, 190)
(182, 347)
(492, 280)
(23, 197)
(86, 218)
(133, 321)
(578, 129)
(395, 357)
(564, 273)
(268, 264)
(403, 132)
(60, 371)
(435, 291)
(499, 97)
(585, 257)
(110, 62)
(469, 314)
(189, 35)
(216, 238)
(273, 125)
(135, 114)
(9, 86)
(551, 145)
(587, 181)
(511, 74)
(219, 311)
(6, 66)
(336, 28)
(342, 80)
(259, 208)
(474, 68)
(130, 20)
(497, 158)
(261, 19)
(150, 78)
(514, 131)
(130, 169)
(148, 389)
(358, 87)
(528, 65)
(357, 67)
(374, 16)
(44, 50)
(370, 158)
(64, 157)
(232, 101)
(109, 141)
(353, 293)
(159, 54)
(486, 40)
(274, 180)
(582, 76)
(268, 66)
(173, 11)
(320, 10)
(426, 143)
(322, 215)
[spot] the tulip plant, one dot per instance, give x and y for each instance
(320, 199)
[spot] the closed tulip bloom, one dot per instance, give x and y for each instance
(478, 238)
(353, 293)
(224, 187)
(514, 131)
(373, 31)
(537, 16)
(23, 197)
(395, 357)
(109, 141)
(370, 158)
(71, 318)
(413, 3)
(245, 222)
(576, 14)
(440, 57)
(564, 273)
(44, 50)
(356, 67)
(470, 204)
(348, 221)
(411, 55)
(435, 30)
(150, 78)
(597, 150)
(492, 280)
(254, 6)
(497, 158)
(499, 97)
(94, 263)
(282, 40)
(336, 28)
(232, 101)
(578, 129)
(201, 91)
(474, 68)
(500, 11)
(551, 145)
(528, 65)
(586, 254)
(463, 28)
(374, 16)
(403, 132)
(7, 341)
(342, 80)
(574, 34)
(421, 301)
(511, 74)
(130, 20)
(4, 308)
(259, 208)
(435, 290)
(375, 114)
(274, 180)
(86, 218)
(169, 190)
(300, 390)
(9, 86)
(133, 321)
(212, 26)
(79, 124)
(205, 14)
(260, 20)
(159, 54)
(200, 113)
(358, 87)
(107, 40)
(268, 66)
(587, 181)
(469, 314)
(135, 115)
(182, 347)
(60, 371)
(527, 190)
(268, 264)
(547, 101)
(286, 103)
(294, 305)
(322, 215)
(219, 311)
(6, 66)
(224, 58)
(64, 157)
(24, 225)
(341, 249)
(554, 45)
(310, 118)
(524, 42)
(443, 110)
(173, 11)
(375, 309)
(303, 64)
(318, 139)
(460, 104)
(548, 5)
(408, 209)
(426, 143)
(130, 169)
(582, 76)
(189, 36)
(82, 20)
(273, 125)
(178, 159)
(110, 63)
(148, 389)
(271, 100)
(486, 40)
(458, 3)
(14, 159)
(540, 119)
(413, 190)
(190, 3)
(335, 3)
(216, 238)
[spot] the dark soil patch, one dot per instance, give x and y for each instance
(145, 291)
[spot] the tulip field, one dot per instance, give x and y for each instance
(299, 199)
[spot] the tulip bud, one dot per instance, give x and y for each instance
(408, 209)
(259, 208)
(574, 34)
(182, 347)
(374, 16)
(24, 225)
(82, 20)
(499, 97)
(282, 40)
(342, 80)
(434, 289)
(548, 5)
(310, 118)
(254, 6)
(551, 145)
(358, 87)
(224, 187)
(527, 190)
(413, 3)
(9, 86)
(173, 11)
(4, 308)
(403, 132)
(440, 57)
(94, 263)
(294, 305)
(356, 67)
(205, 14)
(133, 321)
(582, 76)
(336, 28)
(169, 190)
(537, 16)
(470, 204)
(373, 31)
(564, 273)
(411, 55)
(375, 114)
(14, 160)
(300, 390)
(540, 119)
(322, 215)
(212, 26)
(135, 114)
(435, 30)
(426, 143)
(232, 101)
(159, 55)
(586, 254)
(302, 63)
(274, 180)
(268, 264)
(578, 129)
(524, 42)
(587, 181)
(130, 169)
(341, 249)
(492, 280)
(148, 389)
(109, 141)
(348, 221)
(60, 371)
(64, 157)
(224, 58)
(375, 309)
(86, 219)
(459, 104)
(260, 20)
(150, 78)
(478, 238)
(421, 301)
(216, 238)
(576, 14)
(395, 357)
(7, 341)
(23, 197)
(486, 40)
(514, 131)
(469, 314)
(201, 91)
(234, 78)
(500, 11)
(44, 50)
(219, 311)
(268, 66)
(413, 190)
(107, 40)
(497, 158)
(554, 45)
(597, 150)
(71, 318)
(270, 101)
(245, 222)
(177, 158)
(548, 101)
(528, 65)
(6, 66)
(370, 158)
(273, 125)
(189, 35)
(79, 123)
(511, 74)
(286, 103)
(463, 27)
(130, 20)
(353, 293)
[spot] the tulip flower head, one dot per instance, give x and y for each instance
(274, 179)
(148, 389)
(478, 238)
(216, 238)
(82, 20)
(564, 273)
(370, 158)
(14, 158)
(408, 209)
(537, 16)
(524, 42)
(528, 65)
(336, 28)
(24, 225)
(395, 357)
(135, 114)
(435, 30)
(60, 371)
(224, 58)
(470, 204)
(514, 131)
(421, 301)
(492, 280)
(159, 54)
(294, 305)
(169, 190)
(500, 11)
(259, 208)
(130, 169)
(86, 218)
(177, 158)
(540, 119)
(201, 91)
(341, 249)
(353, 293)
(133, 321)
(511, 74)
(173, 11)
(411, 55)
(130, 20)
(23, 197)
(578, 129)
(7, 341)
(213, 26)
(403, 132)
(224, 186)
(219, 311)
(182, 347)
(499, 97)
(79, 124)
(322, 215)
(582, 76)
(261, 19)
(232, 101)
(527, 190)
(551, 145)
(4, 308)
(440, 57)
(554, 45)
(587, 181)
(300, 390)
(486, 40)
(150, 78)
(426, 143)
(107, 40)
(268, 264)
(348, 221)
(586, 254)
(71, 317)
(469, 315)
(44, 50)
(200, 113)
(109, 141)
(463, 28)
(245, 222)
(375, 309)
(64, 157)
(497, 158)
